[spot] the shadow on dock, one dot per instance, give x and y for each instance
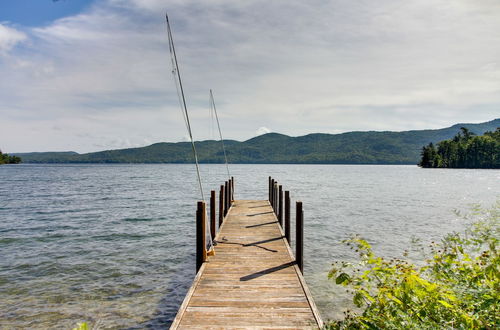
(261, 224)
(267, 271)
(256, 244)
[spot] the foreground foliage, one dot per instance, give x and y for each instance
(457, 287)
(82, 326)
(465, 150)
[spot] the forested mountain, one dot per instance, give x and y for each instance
(465, 150)
(347, 148)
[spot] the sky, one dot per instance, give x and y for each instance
(82, 75)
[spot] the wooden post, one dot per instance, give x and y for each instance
(272, 193)
(201, 252)
(232, 188)
(230, 193)
(287, 217)
(269, 189)
(280, 205)
(221, 205)
(299, 243)
(276, 197)
(226, 194)
(212, 214)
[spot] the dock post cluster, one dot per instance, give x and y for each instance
(226, 199)
(281, 207)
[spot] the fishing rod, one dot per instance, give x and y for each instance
(182, 100)
(212, 103)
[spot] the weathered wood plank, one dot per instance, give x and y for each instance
(252, 281)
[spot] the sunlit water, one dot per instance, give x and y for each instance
(114, 244)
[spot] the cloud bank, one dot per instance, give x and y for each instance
(9, 37)
(102, 79)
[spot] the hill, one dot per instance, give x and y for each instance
(347, 148)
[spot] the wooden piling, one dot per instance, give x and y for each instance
(221, 205)
(276, 197)
(232, 189)
(287, 217)
(269, 189)
(272, 193)
(230, 193)
(280, 205)
(299, 239)
(226, 198)
(212, 214)
(201, 251)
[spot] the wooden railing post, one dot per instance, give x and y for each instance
(299, 239)
(232, 189)
(276, 194)
(287, 216)
(212, 214)
(272, 193)
(230, 194)
(226, 198)
(201, 252)
(221, 205)
(280, 205)
(275, 197)
(269, 189)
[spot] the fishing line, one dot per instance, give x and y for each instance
(182, 100)
(220, 132)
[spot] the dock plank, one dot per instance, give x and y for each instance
(252, 280)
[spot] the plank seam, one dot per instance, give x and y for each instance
(182, 309)
(302, 281)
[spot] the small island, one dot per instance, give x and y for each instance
(6, 159)
(465, 150)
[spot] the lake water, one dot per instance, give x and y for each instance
(114, 244)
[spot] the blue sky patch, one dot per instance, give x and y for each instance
(39, 12)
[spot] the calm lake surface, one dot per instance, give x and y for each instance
(114, 244)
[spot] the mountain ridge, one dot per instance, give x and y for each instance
(356, 147)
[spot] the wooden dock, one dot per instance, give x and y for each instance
(252, 281)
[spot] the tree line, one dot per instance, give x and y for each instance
(465, 150)
(6, 159)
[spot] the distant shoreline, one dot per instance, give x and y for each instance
(144, 163)
(364, 148)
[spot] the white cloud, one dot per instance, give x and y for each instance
(262, 130)
(9, 38)
(299, 67)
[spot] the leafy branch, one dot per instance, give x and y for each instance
(457, 287)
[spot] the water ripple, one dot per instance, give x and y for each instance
(114, 244)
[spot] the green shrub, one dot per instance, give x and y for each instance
(82, 326)
(457, 287)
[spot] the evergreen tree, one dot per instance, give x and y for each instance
(426, 154)
(6, 159)
(465, 150)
